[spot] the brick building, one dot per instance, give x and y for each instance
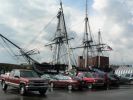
(104, 61)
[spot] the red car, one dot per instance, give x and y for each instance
(64, 82)
(89, 80)
(24, 80)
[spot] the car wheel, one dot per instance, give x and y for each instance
(69, 87)
(22, 90)
(51, 85)
(80, 88)
(90, 86)
(4, 86)
(107, 86)
(42, 92)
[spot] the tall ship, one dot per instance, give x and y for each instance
(92, 55)
(62, 55)
(61, 49)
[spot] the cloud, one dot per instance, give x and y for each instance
(23, 22)
(117, 26)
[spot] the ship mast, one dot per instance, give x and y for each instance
(66, 39)
(87, 41)
(100, 48)
(61, 40)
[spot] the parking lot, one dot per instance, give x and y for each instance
(123, 93)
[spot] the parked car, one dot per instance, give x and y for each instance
(24, 80)
(89, 80)
(124, 80)
(112, 80)
(128, 76)
(101, 74)
(47, 76)
(5, 74)
(64, 81)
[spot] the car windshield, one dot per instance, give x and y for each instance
(47, 76)
(132, 75)
(88, 75)
(127, 75)
(111, 77)
(96, 75)
(28, 73)
(61, 77)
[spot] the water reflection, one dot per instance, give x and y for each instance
(29, 96)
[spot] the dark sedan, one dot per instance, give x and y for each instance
(112, 81)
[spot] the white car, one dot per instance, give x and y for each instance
(129, 76)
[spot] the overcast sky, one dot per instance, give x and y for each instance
(31, 23)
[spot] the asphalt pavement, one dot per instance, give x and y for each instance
(122, 93)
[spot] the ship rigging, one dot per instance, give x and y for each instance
(60, 43)
(87, 43)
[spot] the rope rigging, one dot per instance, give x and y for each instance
(10, 51)
(40, 32)
(22, 51)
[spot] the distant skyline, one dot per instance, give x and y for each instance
(23, 22)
